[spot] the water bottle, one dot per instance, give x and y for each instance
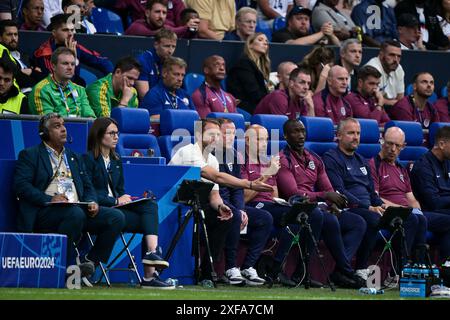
(406, 271)
(371, 291)
(172, 282)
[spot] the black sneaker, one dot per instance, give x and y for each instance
(285, 280)
(154, 260)
(343, 281)
(156, 283)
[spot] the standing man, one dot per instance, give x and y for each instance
(57, 93)
(49, 173)
(116, 89)
(351, 55)
(210, 97)
(12, 101)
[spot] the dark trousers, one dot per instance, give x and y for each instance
(258, 231)
(73, 220)
(439, 224)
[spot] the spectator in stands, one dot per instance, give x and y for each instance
(52, 8)
(116, 89)
(32, 13)
(155, 20)
(442, 106)
(188, 14)
(295, 101)
(270, 9)
(283, 71)
(392, 75)
(443, 7)
(218, 214)
(63, 32)
(318, 61)
(302, 173)
(409, 34)
(245, 25)
(216, 17)
(168, 94)
(50, 173)
(430, 185)
(426, 13)
(416, 107)
(57, 93)
(325, 11)
(78, 7)
(12, 101)
(367, 101)
(257, 223)
(104, 167)
(210, 97)
(298, 30)
(26, 76)
(9, 9)
(377, 21)
(330, 101)
(152, 60)
(350, 59)
(248, 79)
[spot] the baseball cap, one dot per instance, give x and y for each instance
(297, 10)
(407, 20)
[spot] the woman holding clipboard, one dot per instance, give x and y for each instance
(105, 169)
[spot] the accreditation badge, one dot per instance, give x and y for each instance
(65, 187)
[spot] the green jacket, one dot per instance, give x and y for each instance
(46, 97)
(102, 98)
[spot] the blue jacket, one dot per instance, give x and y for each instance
(99, 176)
(32, 177)
(430, 181)
(151, 67)
(351, 176)
(232, 196)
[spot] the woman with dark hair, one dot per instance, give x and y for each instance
(104, 166)
(319, 62)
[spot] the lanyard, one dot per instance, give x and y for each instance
(173, 99)
(57, 161)
(64, 98)
(155, 65)
(222, 97)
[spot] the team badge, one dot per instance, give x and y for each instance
(186, 101)
(260, 205)
(363, 170)
(312, 165)
(426, 123)
(343, 112)
(230, 166)
(402, 178)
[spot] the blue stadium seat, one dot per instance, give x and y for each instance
(370, 138)
(414, 139)
(264, 27)
(279, 23)
(134, 127)
(237, 118)
(433, 129)
(319, 134)
(271, 122)
(444, 92)
(88, 76)
(106, 21)
(192, 81)
(247, 116)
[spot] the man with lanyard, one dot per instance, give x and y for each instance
(302, 173)
(210, 97)
(294, 101)
(50, 173)
(152, 60)
(329, 102)
(168, 94)
(12, 101)
(57, 93)
(116, 89)
(367, 101)
(416, 107)
(431, 186)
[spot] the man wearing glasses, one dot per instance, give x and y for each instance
(245, 25)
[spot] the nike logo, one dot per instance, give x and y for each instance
(386, 176)
(251, 172)
(214, 99)
(297, 165)
(349, 168)
(167, 102)
(438, 177)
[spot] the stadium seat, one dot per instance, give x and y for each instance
(413, 137)
(106, 21)
(273, 123)
(433, 129)
(370, 138)
(247, 116)
(237, 118)
(88, 76)
(444, 92)
(264, 27)
(409, 89)
(279, 23)
(134, 127)
(192, 81)
(319, 134)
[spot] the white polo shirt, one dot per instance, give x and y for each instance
(391, 84)
(191, 155)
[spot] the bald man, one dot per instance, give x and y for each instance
(283, 71)
(329, 102)
(210, 97)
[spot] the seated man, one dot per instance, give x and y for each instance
(431, 186)
(168, 94)
(302, 173)
(270, 9)
(48, 173)
(416, 106)
(350, 175)
(367, 101)
(210, 97)
(330, 101)
(409, 34)
(63, 32)
(245, 25)
(294, 101)
(284, 70)
(442, 106)
(152, 60)
(32, 14)
(56, 93)
(116, 89)
(298, 30)
(12, 101)
(218, 215)
(155, 20)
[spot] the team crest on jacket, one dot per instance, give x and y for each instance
(363, 170)
(312, 165)
(230, 166)
(402, 178)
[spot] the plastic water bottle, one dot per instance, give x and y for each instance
(371, 291)
(172, 282)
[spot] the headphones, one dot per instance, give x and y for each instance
(43, 130)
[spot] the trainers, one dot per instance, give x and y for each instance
(233, 276)
(343, 281)
(284, 280)
(363, 273)
(154, 260)
(251, 277)
(391, 281)
(156, 283)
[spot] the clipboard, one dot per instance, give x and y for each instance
(131, 203)
(62, 203)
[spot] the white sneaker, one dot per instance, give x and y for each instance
(233, 276)
(251, 277)
(363, 273)
(391, 282)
